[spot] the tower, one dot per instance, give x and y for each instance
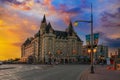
(72, 39)
(43, 25)
(70, 29)
(49, 28)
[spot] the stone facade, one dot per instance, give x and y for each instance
(49, 43)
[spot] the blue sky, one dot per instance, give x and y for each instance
(20, 19)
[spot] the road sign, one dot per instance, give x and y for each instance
(95, 36)
(88, 39)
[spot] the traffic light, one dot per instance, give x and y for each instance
(94, 46)
(88, 46)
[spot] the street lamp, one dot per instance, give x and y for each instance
(89, 51)
(91, 21)
(94, 50)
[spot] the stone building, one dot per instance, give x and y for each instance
(48, 43)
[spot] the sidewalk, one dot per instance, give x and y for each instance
(101, 73)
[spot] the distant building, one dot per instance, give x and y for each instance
(48, 44)
(99, 51)
(102, 51)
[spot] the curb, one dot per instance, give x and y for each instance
(84, 74)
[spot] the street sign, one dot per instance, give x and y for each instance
(95, 36)
(88, 39)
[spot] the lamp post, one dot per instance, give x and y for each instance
(91, 21)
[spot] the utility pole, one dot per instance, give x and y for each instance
(92, 53)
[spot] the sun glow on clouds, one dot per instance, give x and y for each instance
(14, 29)
(44, 7)
(24, 5)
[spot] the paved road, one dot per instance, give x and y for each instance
(41, 72)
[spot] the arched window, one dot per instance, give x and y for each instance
(73, 47)
(50, 44)
(73, 43)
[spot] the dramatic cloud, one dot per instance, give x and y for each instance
(111, 19)
(20, 19)
(111, 40)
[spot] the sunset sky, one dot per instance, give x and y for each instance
(20, 19)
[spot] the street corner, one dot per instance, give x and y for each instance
(110, 68)
(84, 74)
(104, 73)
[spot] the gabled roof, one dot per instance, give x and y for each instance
(28, 41)
(61, 34)
(44, 19)
(48, 27)
(78, 38)
(70, 29)
(37, 34)
(64, 35)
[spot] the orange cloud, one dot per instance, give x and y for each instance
(26, 5)
(66, 18)
(14, 29)
(8, 51)
(46, 5)
(21, 6)
(47, 2)
(65, 15)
